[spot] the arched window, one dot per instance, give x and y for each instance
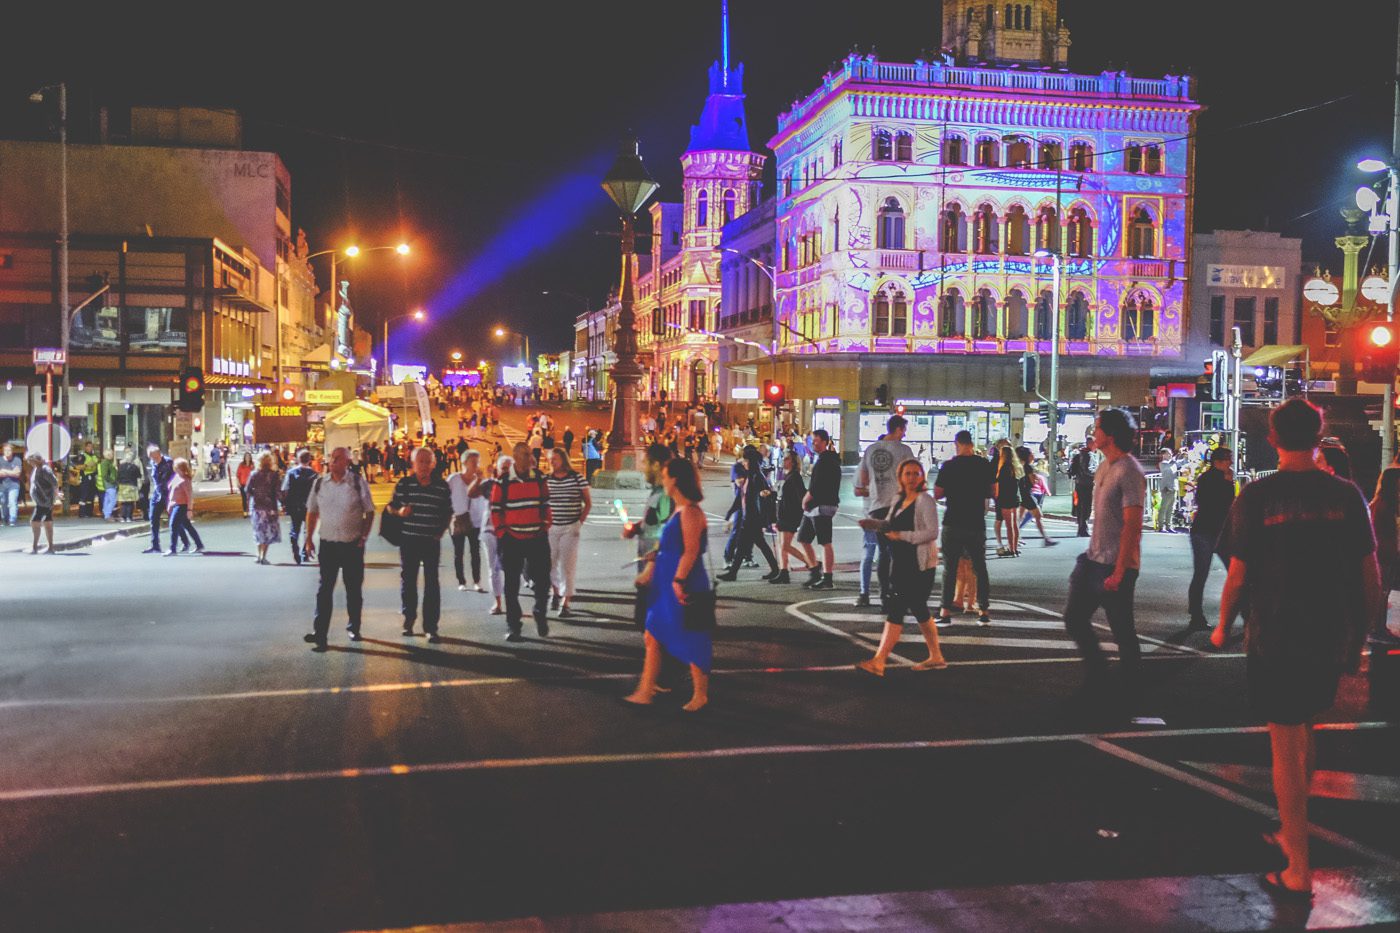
(890, 232)
(881, 146)
(1077, 316)
(904, 147)
(1016, 313)
(1139, 317)
(991, 17)
(954, 150)
(1047, 229)
(1132, 159)
(1142, 236)
(1051, 154)
(1152, 160)
(836, 152)
(1018, 229)
(1043, 305)
(787, 183)
(1018, 153)
(1081, 157)
(1026, 17)
(836, 229)
(1013, 16)
(729, 198)
(891, 317)
(987, 151)
(986, 231)
(1081, 233)
(702, 209)
(952, 230)
(984, 314)
(950, 313)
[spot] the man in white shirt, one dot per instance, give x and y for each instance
(341, 507)
(878, 481)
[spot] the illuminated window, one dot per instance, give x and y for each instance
(984, 314)
(1081, 157)
(881, 146)
(1142, 235)
(951, 311)
(891, 312)
(1016, 313)
(1132, 159)
(1047, 229)
(890, 232)
(985, 230)
(952, 231)
(1018, 153)
(1080, 232)
(702, 209)
(1051, 155)
(1018, 241)
(954, 150)
(987, 151)
(1044, 304)
(1139, 317)
(904, 147)
(1077, 316)
(1152, 160)
(729, 199)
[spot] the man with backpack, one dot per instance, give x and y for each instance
(296, 489)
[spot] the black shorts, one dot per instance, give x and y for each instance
(1289, 691)
(42, 514)
(815, 528)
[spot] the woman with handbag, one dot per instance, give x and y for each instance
(790, 518)
(680, 602)
(911, 527)
(264, 502)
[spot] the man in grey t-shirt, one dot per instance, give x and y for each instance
(1106, 573)
(878, 481)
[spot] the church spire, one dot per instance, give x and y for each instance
(722, 124)
(724, 41)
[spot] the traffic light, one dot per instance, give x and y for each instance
(1218, 372)
(882, 395)
(288, 395)
(1045, 414)
(774, 393)
(1030, 372)
(1377, 352)
(191, 393)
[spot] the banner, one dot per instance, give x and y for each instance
(423, 410)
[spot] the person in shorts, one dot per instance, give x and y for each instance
(1303, 568)
(45, 494)
(819, 508)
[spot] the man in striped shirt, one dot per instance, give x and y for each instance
(569, 504)
(520, 519)
(424, 503)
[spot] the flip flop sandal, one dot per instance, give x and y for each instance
(1273, 883)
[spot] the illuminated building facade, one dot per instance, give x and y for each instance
(911, 201)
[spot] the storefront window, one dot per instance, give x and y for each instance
(156, 330)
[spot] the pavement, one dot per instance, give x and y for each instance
(178, 759)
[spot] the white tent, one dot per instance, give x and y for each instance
(355, 423)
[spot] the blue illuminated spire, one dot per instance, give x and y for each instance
(722, 123)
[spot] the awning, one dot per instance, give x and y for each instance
(1276, 355)
(242, 302)
(321, 355)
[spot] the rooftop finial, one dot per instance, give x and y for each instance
(724, 42)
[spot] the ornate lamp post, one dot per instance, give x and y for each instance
(629, 185)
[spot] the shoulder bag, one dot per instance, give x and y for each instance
(390, 526)
(698, 614)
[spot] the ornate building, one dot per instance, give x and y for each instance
(912, 199)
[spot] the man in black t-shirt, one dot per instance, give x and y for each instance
(1303, 564)
(819, 507)
(965, 482)
(1215, 493)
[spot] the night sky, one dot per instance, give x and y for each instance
(481, 136)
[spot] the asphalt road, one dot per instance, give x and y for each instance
(177, 758)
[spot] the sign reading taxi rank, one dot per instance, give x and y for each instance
(279, 424)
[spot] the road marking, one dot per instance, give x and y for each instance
(500, 764)
(1240, 800)
(796, 610)
(1333, 785)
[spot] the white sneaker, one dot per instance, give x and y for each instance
(463, 586)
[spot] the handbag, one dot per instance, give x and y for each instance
(698, 613)
(390, 527)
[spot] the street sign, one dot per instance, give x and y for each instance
(37, 440)
(44, 357)
(324, 396)
(280, 424)
(184, 423)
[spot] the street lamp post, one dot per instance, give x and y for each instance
(65, 321)
(350, 251)
(1053, 447)
(525, 339)
(417, 316)
(629, 185)
(1391, 203)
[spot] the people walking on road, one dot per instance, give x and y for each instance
(11, 474)
(264, 489)
(128, 486)
(1385, 520)
(1106, 574)
(520, 520)
(592, 457)
(757, 510)
(678, 571)
(1008, 499)
(878, 482)
(340, 507)
(1303, 570)
(296, 490)
(182, 530)
(911, 528)
(790, 499)
(480, 495)
(819, 510)
(1081, 474)
(107, 485)
(424, 503)
(469, 516)
(965, 482)
(243, 474)
(162, 468)
(1166, 491)
(1215, 493)
(1033, 492)
(570, 501)
(45, 495)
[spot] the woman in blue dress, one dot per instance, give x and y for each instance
(677, 570)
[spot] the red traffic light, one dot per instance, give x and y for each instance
(289, 395)
(1381, 335)
(774, 390)
(774, 393)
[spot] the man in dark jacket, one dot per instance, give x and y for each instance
(1081, 472)
(1215, 493)
(161, 470)
(296, 490)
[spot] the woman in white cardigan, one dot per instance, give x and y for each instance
(912, 530)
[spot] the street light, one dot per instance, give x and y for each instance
(1388, 397)
(456, 356)
(525, 338)
(418, 315)
(629, 185)
(1052, 451)
(350, 252)
(65, 321)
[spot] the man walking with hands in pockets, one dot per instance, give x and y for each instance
(339, 505)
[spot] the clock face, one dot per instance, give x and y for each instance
(1376, 288)
(1321, 292)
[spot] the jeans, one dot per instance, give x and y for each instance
(109, 501)
(337, 557)
(1202, 550)
(1086, 595)
(972, 544)
(867, 561)
(459, 542)
(491, 545)
(154, 511)
(9, 504)
(298, 519)
(182, 530)
(563, 550)
(1163, 518)
(528, 555)
(417, 551)
(752, 535)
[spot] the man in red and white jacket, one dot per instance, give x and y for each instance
(520, 519)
